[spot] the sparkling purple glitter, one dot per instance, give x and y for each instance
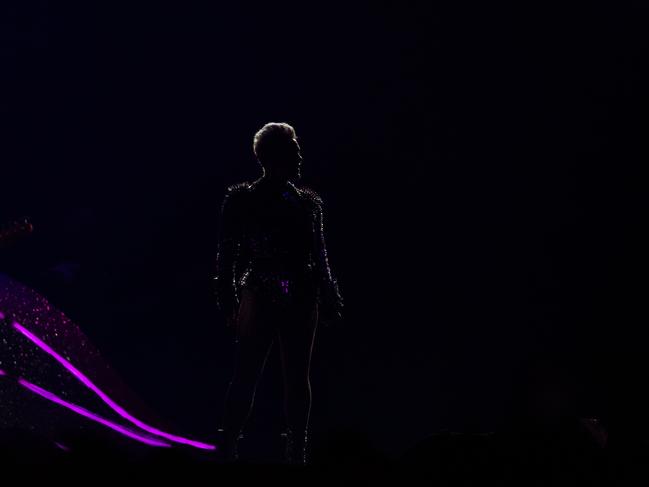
(92, 416)
(103, 396)
(284, 286)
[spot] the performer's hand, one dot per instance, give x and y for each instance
(231, 321)
(331, 318)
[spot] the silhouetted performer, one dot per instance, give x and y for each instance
(273, 281)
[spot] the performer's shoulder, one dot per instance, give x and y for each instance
(235, 194)
(310, 195)
(238, 188)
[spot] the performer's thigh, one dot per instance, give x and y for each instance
(254, 333)
(296, 338)
(254, 320)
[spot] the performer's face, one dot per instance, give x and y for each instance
(295, 160)
(288, 161)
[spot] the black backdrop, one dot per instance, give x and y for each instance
(480, 166)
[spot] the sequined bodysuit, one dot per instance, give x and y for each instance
(272, 240)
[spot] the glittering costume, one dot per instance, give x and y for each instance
(272, 240)
(272, 268)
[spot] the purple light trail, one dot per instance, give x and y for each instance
(62, 446)
(104, 397)
(92, 416)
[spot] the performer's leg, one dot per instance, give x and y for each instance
(254, 341)
(296, 338)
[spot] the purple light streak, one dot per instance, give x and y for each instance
(2, 372)
(104, 397)
(62, 446)
(92, 416)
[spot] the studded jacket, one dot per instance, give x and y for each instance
(272, 239)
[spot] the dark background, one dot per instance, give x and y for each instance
(480, 166)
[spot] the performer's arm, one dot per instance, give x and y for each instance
(228, 250)
(330, 300)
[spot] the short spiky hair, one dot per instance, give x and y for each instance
(269, 136)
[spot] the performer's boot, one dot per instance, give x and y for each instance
(228, 443)
(296, 447)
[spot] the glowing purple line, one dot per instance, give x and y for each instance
(62, 446)
(2, 315)
(84, 412)
(104, 397)
(2, 372)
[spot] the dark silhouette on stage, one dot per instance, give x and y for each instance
(273, 283)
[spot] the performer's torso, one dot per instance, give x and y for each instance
(275, 254)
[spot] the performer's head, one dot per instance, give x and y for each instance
(278, 151)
